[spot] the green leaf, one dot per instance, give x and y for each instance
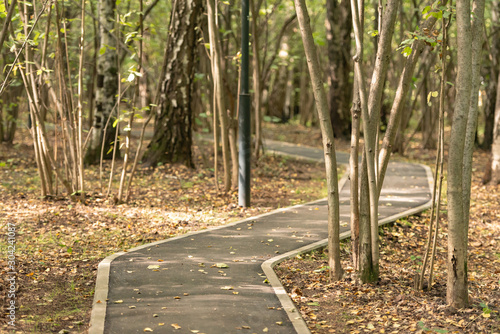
(313, 304)
(407, 51)
(102, 50)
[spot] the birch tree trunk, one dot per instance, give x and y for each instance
(172, 138)
(316, 74)
(107, 85)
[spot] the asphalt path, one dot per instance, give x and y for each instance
(220, 280)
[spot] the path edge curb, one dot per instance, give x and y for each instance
(291, 310)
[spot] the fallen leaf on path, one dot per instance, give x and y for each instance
(176, 326)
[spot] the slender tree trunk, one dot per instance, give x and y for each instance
(338, 30)
(218, 90)
(315, 72)
(354, 179)
(8, 19)
(495, 147)
(172, 139)
(460, 152)
(257, 87)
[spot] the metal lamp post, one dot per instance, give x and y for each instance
(244, 113)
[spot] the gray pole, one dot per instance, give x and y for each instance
(244, 114)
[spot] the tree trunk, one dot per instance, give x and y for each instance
(491, 90)
(218, 91)
(495, 147)
(338, 34)
(107, 86)
(257, 80)
(428, 117)
(469, 37)
(172, 139)
(315, 72)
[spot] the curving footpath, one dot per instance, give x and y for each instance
(221, 280)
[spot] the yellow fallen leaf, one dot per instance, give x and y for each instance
(486, 315)
(227, 288)
(147, 329)
(176, 326)
(161, 324)
(118, 301)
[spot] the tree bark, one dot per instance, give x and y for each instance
(460, 152)
(257, 80)
(107, 85)
(338, 34)
(495, 147)
(172, 138)
(219, 105)
(315, 72)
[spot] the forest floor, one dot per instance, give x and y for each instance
(392, 305)
(59, 243)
